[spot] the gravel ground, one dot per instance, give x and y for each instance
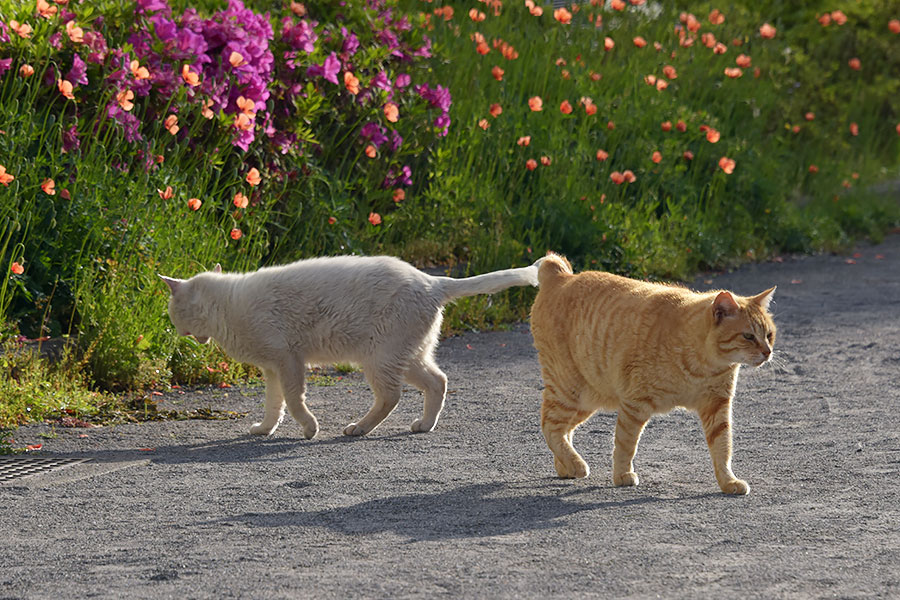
(198, 509)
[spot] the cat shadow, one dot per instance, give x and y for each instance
(469, 511)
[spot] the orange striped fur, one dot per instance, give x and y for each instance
(611, 343)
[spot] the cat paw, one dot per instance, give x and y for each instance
(578, 470)
(262, 429)
(354, 430)
(421, 426)
(311, 431)
(737, 487)
(626, 479)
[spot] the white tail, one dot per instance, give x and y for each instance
(489, 283)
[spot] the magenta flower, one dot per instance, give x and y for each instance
(78, 73)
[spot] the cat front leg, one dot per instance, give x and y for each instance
(715, 416)
(630, 423)
(274, 406)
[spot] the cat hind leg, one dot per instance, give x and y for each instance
(558, 422)
(427, 377)
(387, 394)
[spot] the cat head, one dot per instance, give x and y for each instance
(743, 330)
(188, 306)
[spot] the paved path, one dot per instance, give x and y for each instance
(199, 510)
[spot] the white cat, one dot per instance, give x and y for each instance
(379, 312)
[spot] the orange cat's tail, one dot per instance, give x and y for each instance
(552, 266)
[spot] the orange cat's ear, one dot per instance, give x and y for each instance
(217, 268)
(724, 306)
(171, 282)
(765, 298)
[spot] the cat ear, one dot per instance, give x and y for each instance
(217, 268)
(724, 306)
(172, 282)
(765, 298)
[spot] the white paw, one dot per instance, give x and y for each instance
(422, 426)
(355, 430)
(262, 429)
(310, 432)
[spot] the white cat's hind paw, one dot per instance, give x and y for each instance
(422, 426)
(262, 429)
(354, 430)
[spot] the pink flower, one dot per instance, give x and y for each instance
(767, 31)
(236, 234)
(374, 218)
(16, 268)
(727, 165)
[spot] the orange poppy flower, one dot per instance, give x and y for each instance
(75, 33)
(590, 108)
(617, 178)
(629, 176)
(608, 44)
(399, 195)
(733, 72)
(26, 70)
(190, 77)
(716, 17)
(688, 155)
(708, 40)
(854, 129)
(838, 17)
(813, 169)
(670, 72)
(666, 126)
(496, 110)
(138, 71)
(661, 84)
(236, 234)
(562, 15)
(610, 125)
(825, 20)
(524, 140)
(194, 204)
(720, 48)
(617, 5)
(894, 26)
(743, 61)
(693, 24)
(727, 165)
(482, 48)
(536, 104)
(595, 76)
(240, 200)
(681, 126)
(205, 109)
(124, 98)
(65, 88)
(236, 59)
(253, 177)
(371, 151)
(332, 220)
(46, 10)
(49, 187)
(545, 160)
(483, 123)
(351, 82)
(298, 8)
(712, 136)
(531, 164)
(898, 131)
(16, 268)
(656, 157)
(795, 129)
(5, 178)
(767, 31)
(639, 42)
(166, 194)
(497, 72)
(565, 108)
(374, 218)
(23, 30)
(650, 80)
(810, 116)
(535, 10)
(602, 155)
(854, 64)
(247, 106)
(171, 124)
(508, 52)
(476, 15)
(391, 112)
(446, 12)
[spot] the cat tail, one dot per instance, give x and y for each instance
(552, 266)
(489, 283)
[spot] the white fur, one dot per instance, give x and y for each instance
(377, 312)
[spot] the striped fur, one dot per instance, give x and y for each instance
(611, 343)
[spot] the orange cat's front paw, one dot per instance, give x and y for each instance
(626, 479)
(578, 470)
(738, 487)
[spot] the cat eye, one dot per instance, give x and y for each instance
(749, 337)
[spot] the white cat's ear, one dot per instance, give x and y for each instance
(217, 268)
(765, 298)
(172, 282)
(724, 306)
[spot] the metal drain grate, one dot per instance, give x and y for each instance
(16, 467)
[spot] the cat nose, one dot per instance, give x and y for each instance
(766, 351)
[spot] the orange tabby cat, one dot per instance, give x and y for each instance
(607, 342)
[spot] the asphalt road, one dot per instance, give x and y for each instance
(198, 509)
